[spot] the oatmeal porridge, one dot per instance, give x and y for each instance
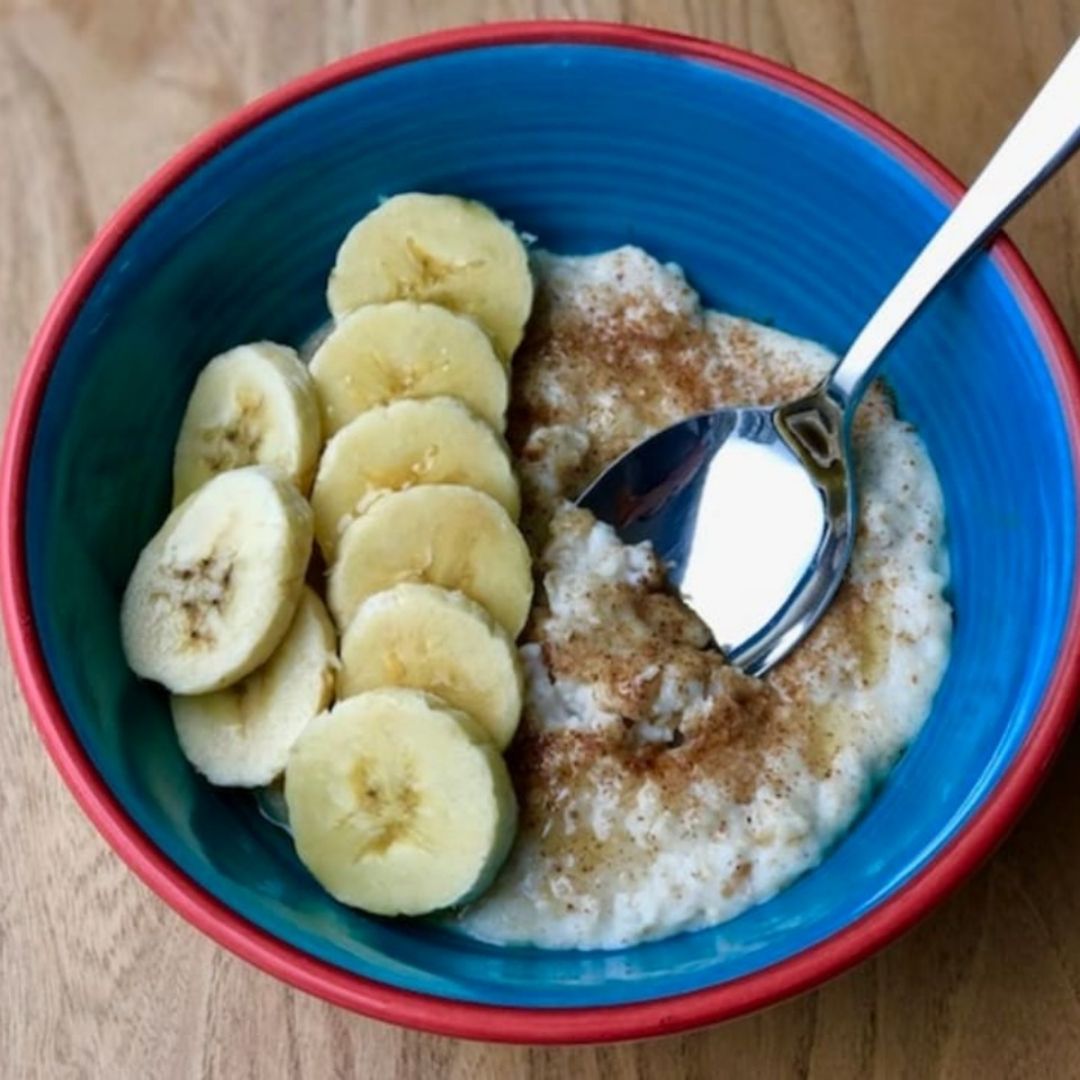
(660, 789)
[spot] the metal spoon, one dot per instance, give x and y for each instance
(755, 508)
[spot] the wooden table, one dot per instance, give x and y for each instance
(97, 976)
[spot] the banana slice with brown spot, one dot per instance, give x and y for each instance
(399, 804)
(253, 405)
(439, 534)
(214, 591)
(428, 638)
(440, 249)
(404, 350)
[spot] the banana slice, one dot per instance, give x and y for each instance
(241, 736)
(214, 591)
(427, 638)
(405, 350)
(401, 445)
(253, 405)
(399, 804)
(441, 249)
(439, 534)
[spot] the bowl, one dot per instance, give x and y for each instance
(785, 202)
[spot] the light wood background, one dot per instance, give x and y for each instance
(98, 977)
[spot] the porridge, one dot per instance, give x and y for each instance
(660, 789)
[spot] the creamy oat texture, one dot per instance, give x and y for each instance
(661, 790)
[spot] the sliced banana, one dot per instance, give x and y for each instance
(399, 804)
(214, 591)
(428, 638)
(253, 405)
(405, 350)
(438, 534)
(402, 445)
(241, 736)
(441, 249)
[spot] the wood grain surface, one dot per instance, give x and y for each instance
(97, 976)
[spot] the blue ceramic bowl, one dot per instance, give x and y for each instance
(785, 203)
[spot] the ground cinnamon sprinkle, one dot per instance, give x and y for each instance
(647, 638)
(660, 362)
(640, 352)
(660, 788)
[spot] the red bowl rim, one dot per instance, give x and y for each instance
(655, 1017)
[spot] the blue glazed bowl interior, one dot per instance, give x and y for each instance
(778, 212)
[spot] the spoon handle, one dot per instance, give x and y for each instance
(1042, 140)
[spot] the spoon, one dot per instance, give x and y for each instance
(754, 509)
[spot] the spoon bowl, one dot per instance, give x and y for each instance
(750, 509)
